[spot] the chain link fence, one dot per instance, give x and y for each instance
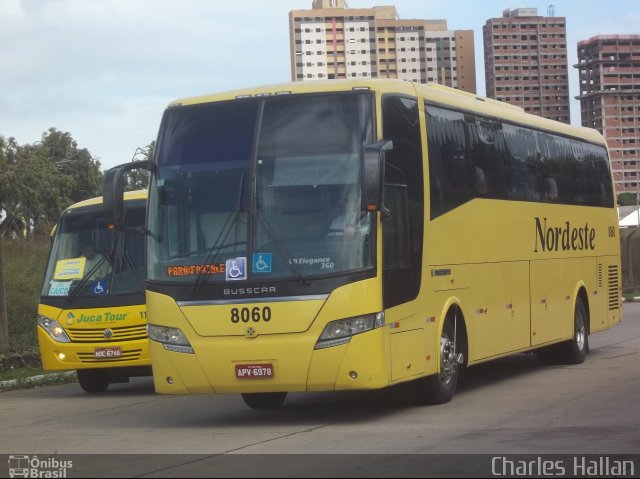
(630, 259)
(24, 262)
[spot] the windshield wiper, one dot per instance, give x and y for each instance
(133, 268)
(226, 230)
(85, 280)
(217, 247)
(293, 266)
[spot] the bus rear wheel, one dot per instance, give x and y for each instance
(575, 350)
(93, 380)
(440, 388)
(264, 400)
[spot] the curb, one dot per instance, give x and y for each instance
(42, 379)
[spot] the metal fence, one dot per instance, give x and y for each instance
(24, 261)
(630, 259)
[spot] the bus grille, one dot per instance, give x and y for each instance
(614, 288)
(129, 355)
(97, 335)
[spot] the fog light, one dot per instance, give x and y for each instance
(169, 380)
(61, 356)
(353, 375)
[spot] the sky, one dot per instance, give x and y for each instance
(104, 70)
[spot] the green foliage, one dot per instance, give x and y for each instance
(38, 181)
(20, 373)
(627, 199)
(24, 378)
(25, 260)
(139, 179)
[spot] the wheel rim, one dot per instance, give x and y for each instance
(581, 330)
(448, 365)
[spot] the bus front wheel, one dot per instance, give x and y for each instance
(264, 400)
(93, 380)
(440, 388)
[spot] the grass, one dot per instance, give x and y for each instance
(20, 373)
(23, 378)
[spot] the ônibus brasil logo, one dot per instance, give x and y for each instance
(28, 466)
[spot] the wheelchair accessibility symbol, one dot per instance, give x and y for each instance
(236, 269)
(261, 263)
(99, 287)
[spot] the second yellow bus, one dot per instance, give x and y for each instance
(92, 313)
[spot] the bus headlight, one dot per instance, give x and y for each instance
(340, 331)
(171, 338)
(53, 328)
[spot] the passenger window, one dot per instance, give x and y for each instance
(404, 190)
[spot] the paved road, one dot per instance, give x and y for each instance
(509, 407)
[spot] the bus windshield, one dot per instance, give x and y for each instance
(260, 189)
(89, 260)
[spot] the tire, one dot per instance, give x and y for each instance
(575, 351)
(261, 401)
(548, 356)
(93, 380)
(440, 388)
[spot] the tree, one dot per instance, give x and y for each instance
(138, 179)
(38, 181)
(79, 171)
(22, 183)
(627, 199)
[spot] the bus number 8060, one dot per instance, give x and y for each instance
(255, 314)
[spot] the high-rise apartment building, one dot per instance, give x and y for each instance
(332, 41)
(609, 69)
(526, 62)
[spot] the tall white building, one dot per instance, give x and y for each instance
(332, 41)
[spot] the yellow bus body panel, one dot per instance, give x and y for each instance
(86, 328)
(286, 317)
(360, 364)
(514, 294)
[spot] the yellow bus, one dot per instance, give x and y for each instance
(92, 314)
(351, 235)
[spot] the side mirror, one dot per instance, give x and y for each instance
(113, 192)
(373, 175)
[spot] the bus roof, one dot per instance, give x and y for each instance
(128, 196)
(505, 111)
(316, 86)
(431, 92)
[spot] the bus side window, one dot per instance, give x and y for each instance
(396, 227)
(451, 176)
(486, 146)
(404, 185)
